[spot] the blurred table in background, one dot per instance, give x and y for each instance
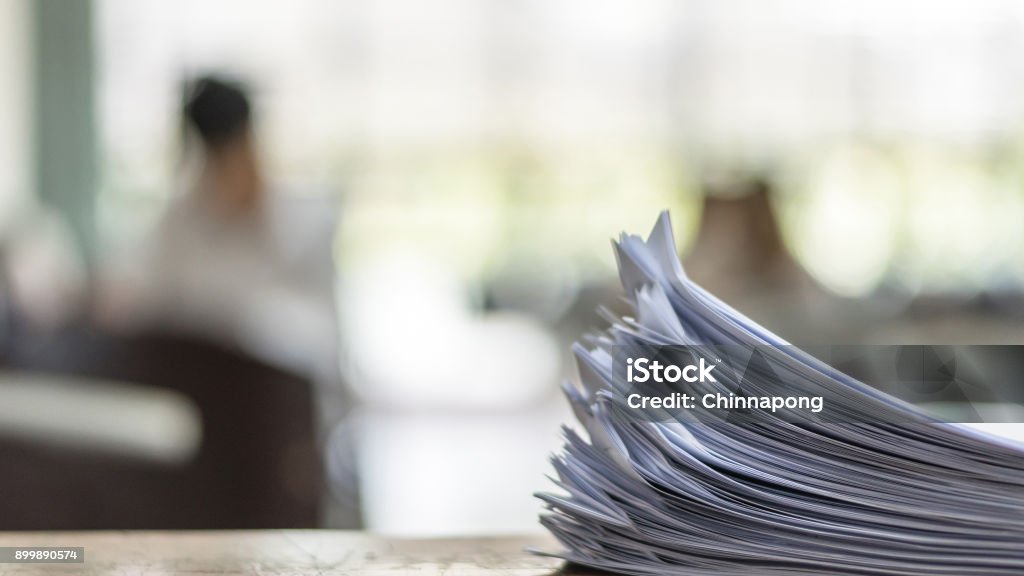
(278, 552)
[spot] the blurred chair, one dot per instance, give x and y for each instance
(257, 465)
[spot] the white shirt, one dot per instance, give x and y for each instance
(264, 283)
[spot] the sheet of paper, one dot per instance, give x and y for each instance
(877, 487)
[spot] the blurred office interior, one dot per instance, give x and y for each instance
(845, 172)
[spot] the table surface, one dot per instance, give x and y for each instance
(281, 552)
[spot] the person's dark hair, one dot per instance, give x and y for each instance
(217, 109)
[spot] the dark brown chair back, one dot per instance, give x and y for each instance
(257, 466)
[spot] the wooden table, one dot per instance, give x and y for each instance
(281, 552)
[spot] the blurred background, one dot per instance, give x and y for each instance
(451, 172)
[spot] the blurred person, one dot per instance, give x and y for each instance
(228, 260)
(741, 257)
(217, 262)
(739, 246)
(233, 263)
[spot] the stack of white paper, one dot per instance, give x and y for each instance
(882, 489)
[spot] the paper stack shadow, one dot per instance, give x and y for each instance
(875, 487)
